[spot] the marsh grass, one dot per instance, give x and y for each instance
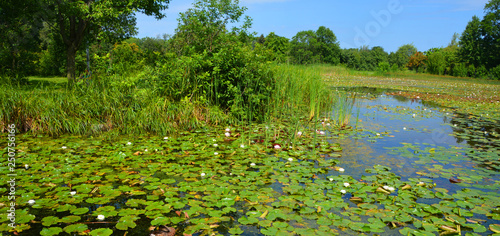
(49, 106)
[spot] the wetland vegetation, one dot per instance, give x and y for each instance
(216, 131)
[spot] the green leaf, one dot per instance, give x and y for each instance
(50, 220)
(50, 231)
(101, 232)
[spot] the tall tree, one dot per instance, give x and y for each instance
(204, 26)
(279, 45)
(403, 54)
(81, 20)
(329, 47)
(470, 49)
(491, 33)
(19, 36)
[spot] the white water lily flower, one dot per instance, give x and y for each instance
(343, 191)
(202, 174)
(227, 134)
(214, 140)
(341, 169)
(231, 173)
(290, 159)
(455, 125)
(331, 179)
(146, 150)
(421, 183)
(26, 166)
(322, 132)
(31, 202)
(385, 187)
(129, 143)
(216, 153)
(277, 146)
(227, 129)
(242, 146)
(414, 115)
(165, 138)
(252, 164)
(378, 134)
(72, 193)
(404, 128)
(100, 217)
(346, 185)
(215, 145)
(63, 147)
(391, 189)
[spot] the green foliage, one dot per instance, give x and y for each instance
(460, 70)
(204, 27)
(212, 66)
(480, 41)
(320, 46)
(470, 43)
(279, 45)
(125, 58)
(417, 61)
(495, 73)
(364, 58)
(403, 55)
(384, 67)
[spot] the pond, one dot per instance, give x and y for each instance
(405, 167)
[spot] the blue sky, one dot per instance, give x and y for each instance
(386, 23)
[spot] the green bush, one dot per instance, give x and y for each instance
(460, 70)
(384, 67)
(235, 78)
(495, 73)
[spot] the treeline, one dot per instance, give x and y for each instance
(474, 53)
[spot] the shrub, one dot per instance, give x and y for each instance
(384, 67)
(495, 73)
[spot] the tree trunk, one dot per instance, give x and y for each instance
(71, 64)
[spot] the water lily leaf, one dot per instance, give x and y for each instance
(70, 219)
(248, 221)
(235, 231)
(495, 228)
(80, 211)
(51, 231)
(50, 220)
(127, 222)
(75, 228)
(101, 232)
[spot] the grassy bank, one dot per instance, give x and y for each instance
(47, 105)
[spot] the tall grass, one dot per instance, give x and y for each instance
(97, 108)
(299, 94)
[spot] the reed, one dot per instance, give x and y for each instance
(299, 94)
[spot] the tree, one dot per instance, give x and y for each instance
(491, 34)
(204, 27)
(470, 46)
(19, 36)
(279, 45)
(315, 46)
(436, 63)
(417, 61)
(304, 47)
(329, 47)
(403, 54)
(88, 20)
